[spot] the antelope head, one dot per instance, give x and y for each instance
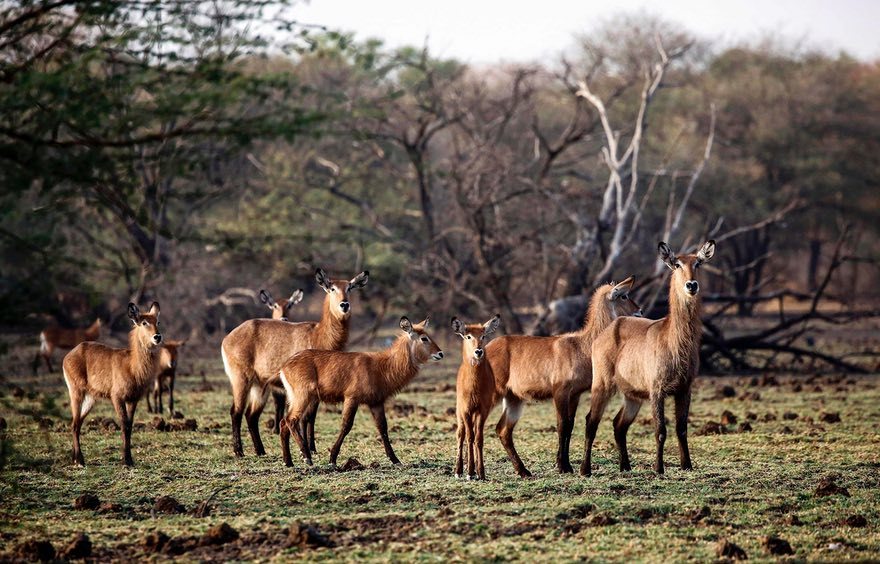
(684, 268)
(280, 311)
(474, 337)
(422, 347)
(337, 291)
(146, 325)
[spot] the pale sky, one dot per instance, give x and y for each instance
(488, 31)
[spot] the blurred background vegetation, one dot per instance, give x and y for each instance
(192, 152)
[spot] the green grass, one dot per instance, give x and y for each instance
(751, 482)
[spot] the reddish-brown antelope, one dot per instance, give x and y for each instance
(281, 311)
(353, 378)
(255, 350)
(92, 370)
(475, 394)
(167, 373)
(55, 337)
(649, 360)
(556, 367)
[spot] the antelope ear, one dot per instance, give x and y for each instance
(154, 309)
(622, 288)
(424, 324)
(266, 298)
(133, 312)
(296, 297)
(707, 251)
(359, 281)
(323, 280)
(406, 325)
(492, 325)
(666, 254)
(458, 327)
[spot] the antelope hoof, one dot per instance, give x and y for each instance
(658, 468)
(565, 468)
(687, 466)
(457, 476)
(524, 473)
(585, 471)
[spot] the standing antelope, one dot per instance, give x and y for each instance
(280, 311)
(254, 351)
(650, 360)
(557, 367)
(53, 337)
(92, 370)
(353, 378)
(475, 394)
(165, 376)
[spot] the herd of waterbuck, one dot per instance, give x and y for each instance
(304, 363)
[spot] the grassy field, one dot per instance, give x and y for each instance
(746, 485)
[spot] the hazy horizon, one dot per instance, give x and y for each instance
(489, 32)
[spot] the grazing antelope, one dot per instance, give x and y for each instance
(53, 337)
(649, 360)
(475, 394)
(165, 376)
(353, 378)
(280, 311)
(557, 367)
(92, 370)
(254, 351)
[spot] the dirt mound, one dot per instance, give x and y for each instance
(855, 521)
(726, 549)
(829, 417)
(79, 547)
(776, 546)
(167, 504)
(87, 501)
(352, 465)
(219, 534)
(33, 550)
(711, 428)
(728, 418)
(183, 425)
(154, 542)
(159, 424)
(697, 515)
(828, 486)
(602, 520)
(302, 535)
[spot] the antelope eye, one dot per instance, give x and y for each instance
(424, 339)
(144, 323)
(469, 337)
